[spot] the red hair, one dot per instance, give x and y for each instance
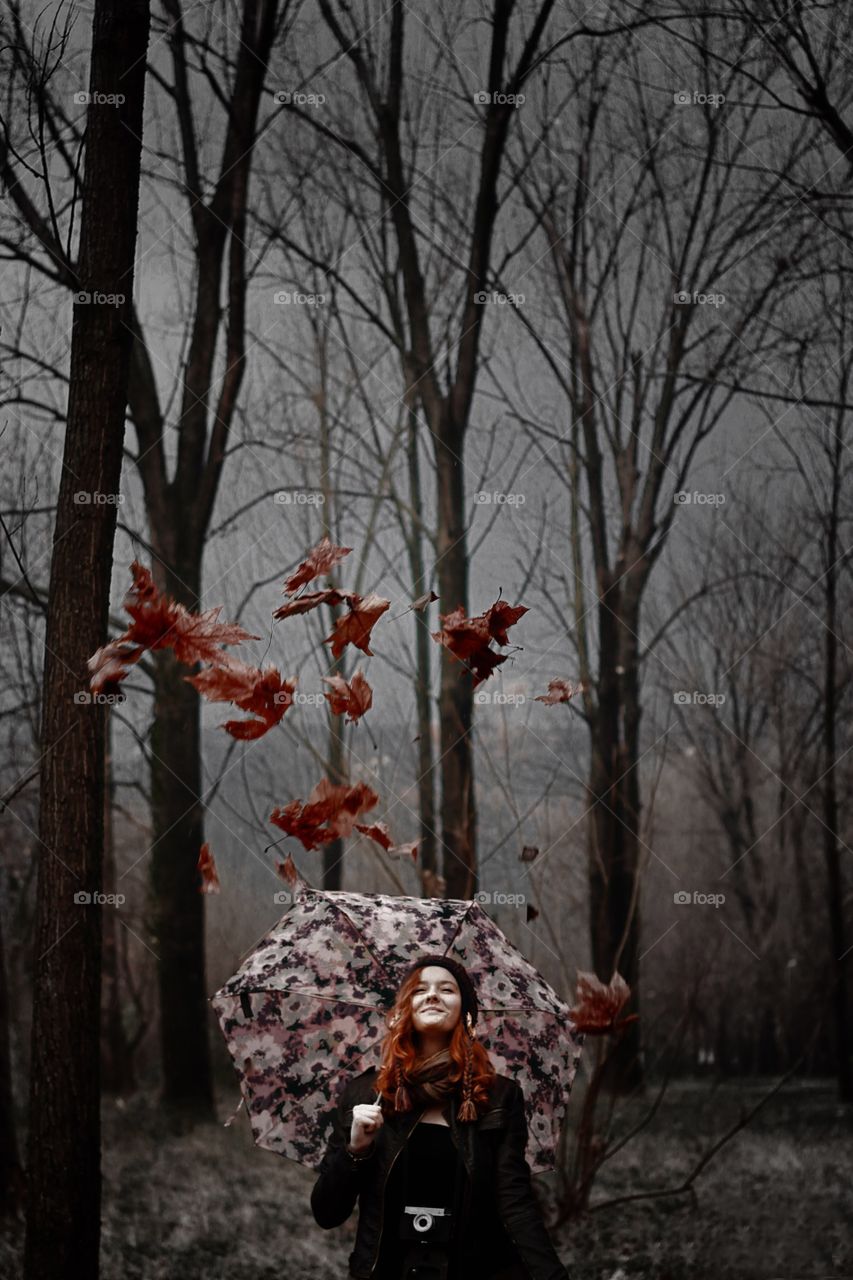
(399, 1050)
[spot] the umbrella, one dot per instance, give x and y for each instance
(305, 1012)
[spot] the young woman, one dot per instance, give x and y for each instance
(432, 1146)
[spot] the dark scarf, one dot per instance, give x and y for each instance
(429, 1082)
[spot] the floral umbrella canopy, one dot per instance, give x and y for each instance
(306, 1011)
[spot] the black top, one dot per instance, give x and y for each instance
(424, 1175)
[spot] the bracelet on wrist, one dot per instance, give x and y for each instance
(359, 1155)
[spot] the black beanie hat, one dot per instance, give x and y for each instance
(466, 986)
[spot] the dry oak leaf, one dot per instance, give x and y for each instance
(355, 627)
(598, 1004)
(422, 601)
(207, 866)
(353, 697)
(263, 693)
(559, 691)
(320, 560)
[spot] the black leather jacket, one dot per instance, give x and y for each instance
(493, 1149)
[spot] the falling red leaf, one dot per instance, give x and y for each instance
(329, 812)
(355, 627)
(559, 691)
(319, 561)
(353, 697)
(529, 852)
(306, 827)
(207, 866)
(378, 832)
(469, 639)
(500, 617)
(409, 850)
(422, 601)
(160, 623)
(598, 1005)
(462, 636)
(287, 871)
(311, 600)
(111, 664)
(263, 693)
(532, 913)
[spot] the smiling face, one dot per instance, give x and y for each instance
(436, 1001)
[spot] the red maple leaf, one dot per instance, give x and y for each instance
(559, 691)
(207, 866)
(462, 636)
(598, 1005)
(160, 623)
(378, 832)
(263, 693)
(355, 627)
(469, 639)
(353, 697)
(483, 663)
(319, 561)
(500, 617)
(287, 871)
(311, 600)
(329, 812)
(306, 827)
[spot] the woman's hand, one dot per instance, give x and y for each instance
(367, 1120)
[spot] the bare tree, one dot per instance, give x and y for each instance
(643, 332)
(387, 99)
(63, 1165)
(205, 71)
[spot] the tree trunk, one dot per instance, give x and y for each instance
(427, 850)
(116, 1058)
(839, 958)
(613, 831)
(177, 906)
(11, 1173)
(179, 511)
(63, 1218)
(458, 812)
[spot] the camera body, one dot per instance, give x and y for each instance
(426, 1223)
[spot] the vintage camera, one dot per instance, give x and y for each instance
(422, 1222)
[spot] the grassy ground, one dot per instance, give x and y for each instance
(775, 1204)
